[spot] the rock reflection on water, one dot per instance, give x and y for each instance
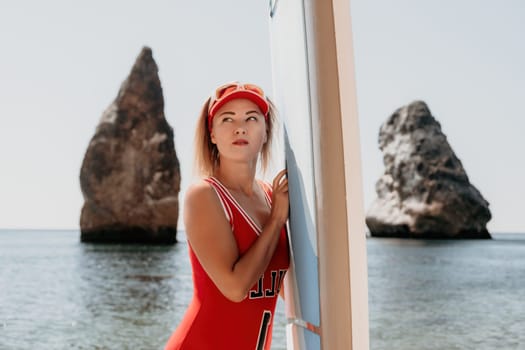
(132, 294)
(56, 293)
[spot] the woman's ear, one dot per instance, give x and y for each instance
(212, 137)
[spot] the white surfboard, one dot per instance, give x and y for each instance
(314, 90)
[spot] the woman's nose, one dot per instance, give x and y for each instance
(240, 131)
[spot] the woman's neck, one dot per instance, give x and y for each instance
(237, 177)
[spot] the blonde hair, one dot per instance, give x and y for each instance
(206, 153)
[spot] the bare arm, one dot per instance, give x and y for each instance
(211, 238)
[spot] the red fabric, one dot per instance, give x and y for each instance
(214, 322)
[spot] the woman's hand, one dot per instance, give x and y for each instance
(280, 199)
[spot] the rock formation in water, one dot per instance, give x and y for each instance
(130, 176)
(424, 191)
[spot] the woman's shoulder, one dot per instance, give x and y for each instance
(199, 190)
(201, 198)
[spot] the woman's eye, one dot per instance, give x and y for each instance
(227, 119)
(252, 118)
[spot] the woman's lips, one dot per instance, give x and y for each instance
(240, 142)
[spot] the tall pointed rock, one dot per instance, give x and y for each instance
(130, 176)
(424, 191)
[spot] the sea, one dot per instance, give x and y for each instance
(59, 293)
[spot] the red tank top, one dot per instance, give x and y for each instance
(214, 322)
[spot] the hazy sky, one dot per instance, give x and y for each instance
(62, 63)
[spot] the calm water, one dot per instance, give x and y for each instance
(447, 294)
(56, 293)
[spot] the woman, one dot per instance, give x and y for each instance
(235, 226)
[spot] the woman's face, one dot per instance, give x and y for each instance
(239, 131)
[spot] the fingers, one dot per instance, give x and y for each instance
(280, 181)
(280, 200)
(280, 186)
